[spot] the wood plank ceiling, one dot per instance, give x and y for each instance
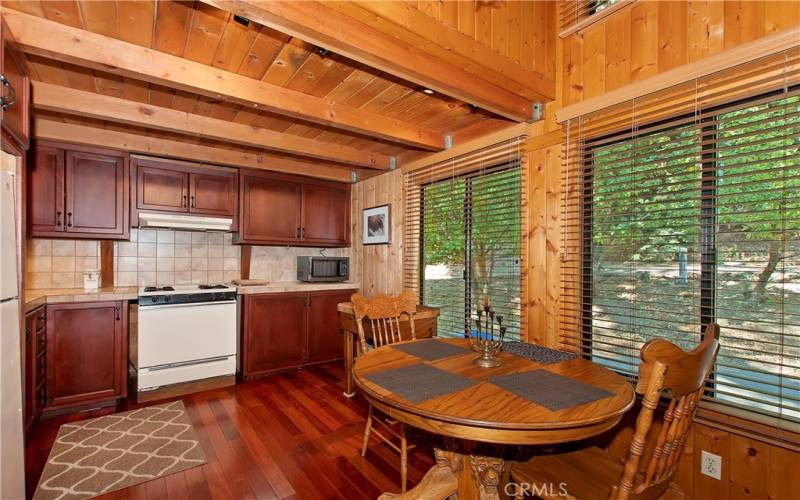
(210, 36)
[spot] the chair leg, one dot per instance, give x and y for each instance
(403, 458)
(367, 430)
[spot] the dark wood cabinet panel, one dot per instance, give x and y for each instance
(270, 209)
(161, 189)
(326, 214)
(275, 332)
(87, 352)
(324, 337)
(283, 331)
(78, 192)
(279, 209)
(45, 184)
(16, 92)
(96, 194)
(213, 194)
(29, 372)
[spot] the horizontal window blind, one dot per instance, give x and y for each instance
(682, 209)
(464, 232)
(572, 12)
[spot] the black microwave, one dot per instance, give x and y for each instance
(310, 268)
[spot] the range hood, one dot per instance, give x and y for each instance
(191, 222)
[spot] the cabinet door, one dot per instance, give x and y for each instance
(212, 194)
(162, 189)
(45, 183)
(274, 332)
(326, 214)
(96, 194)
(87, 352)
(325, 342)
(15, 90)
(270, 211)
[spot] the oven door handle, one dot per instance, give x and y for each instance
(187, 363)
(145, 307)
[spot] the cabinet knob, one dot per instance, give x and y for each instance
(184, 201)
(7, 99)
(193, 205)
(116, 311)
(69, 219)
(58, 218)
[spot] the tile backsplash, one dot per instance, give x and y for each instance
(162, 257)
(60, 263)
(169, 257)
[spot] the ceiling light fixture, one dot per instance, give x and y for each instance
(427, 91)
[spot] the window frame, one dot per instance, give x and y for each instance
(707, 214)
(468, 178)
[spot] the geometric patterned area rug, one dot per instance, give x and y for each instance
(116, 451)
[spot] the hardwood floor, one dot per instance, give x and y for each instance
(292, 435)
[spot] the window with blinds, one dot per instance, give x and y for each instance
(464, 240)
(573, 13)
(677, 220)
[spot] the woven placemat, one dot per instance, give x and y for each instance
(431, 350)
(418, 383)
(543, 355)
(547, 389)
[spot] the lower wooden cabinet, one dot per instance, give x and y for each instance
(289, 330)
(34, 362)
(87, 353)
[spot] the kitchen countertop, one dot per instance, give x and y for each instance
(295, 286)
(36, 298)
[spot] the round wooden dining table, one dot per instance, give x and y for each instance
(484, 412)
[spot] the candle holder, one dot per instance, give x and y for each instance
(485, 342)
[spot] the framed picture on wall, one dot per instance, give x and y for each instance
(377, 224)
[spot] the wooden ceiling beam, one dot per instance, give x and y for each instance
(326, 27)
(35, 35)
(138, 143)
(48, 97)
(406, 22)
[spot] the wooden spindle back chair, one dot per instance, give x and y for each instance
(667, 374)
(384, 314)
(666, 371)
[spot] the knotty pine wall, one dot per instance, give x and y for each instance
(647, 38)
(379, 268)
(522, 31)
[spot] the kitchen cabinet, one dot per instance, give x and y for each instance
(289, 330)
(274, 326)
(78, 192)
(86, 354)
(164, 185)
(15, 92)
(279, 209)
(34, 362)
(324, 337)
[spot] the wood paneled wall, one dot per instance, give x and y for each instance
(379, 268)
(647, 38)
(523, 31)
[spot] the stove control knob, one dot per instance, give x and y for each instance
(153, 299)
(167, 298)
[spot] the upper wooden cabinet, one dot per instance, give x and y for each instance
(78, 192)
(15, 90)
(176, 186)
(278, 209)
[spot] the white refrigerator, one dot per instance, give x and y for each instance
(12, 468)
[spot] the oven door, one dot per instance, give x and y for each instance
(180, 333)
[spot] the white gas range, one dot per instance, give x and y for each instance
(183, 333)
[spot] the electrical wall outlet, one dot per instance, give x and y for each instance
(711, 465)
